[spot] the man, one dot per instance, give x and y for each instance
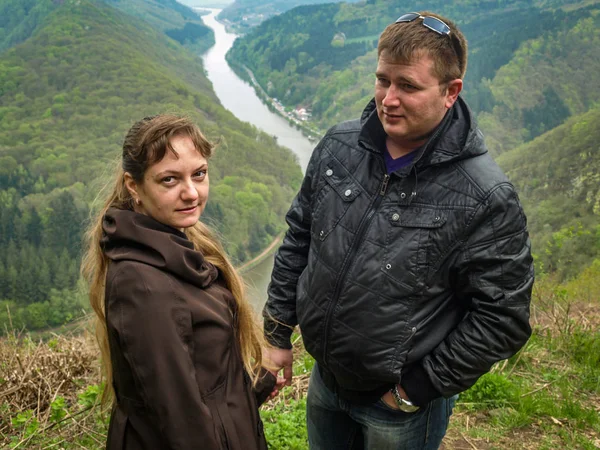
(407, 262)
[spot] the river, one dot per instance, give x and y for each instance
(239, 97)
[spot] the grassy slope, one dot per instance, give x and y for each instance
(545, 398)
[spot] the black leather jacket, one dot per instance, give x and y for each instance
(421, 278)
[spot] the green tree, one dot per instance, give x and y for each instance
(63, 228)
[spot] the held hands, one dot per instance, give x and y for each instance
(276, 359)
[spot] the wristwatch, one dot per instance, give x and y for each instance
(404, 405)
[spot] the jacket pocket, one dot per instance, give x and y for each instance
(332, 202)
(409, 249)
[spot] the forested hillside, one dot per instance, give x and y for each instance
(322, 56)
(548, 80)
(246, 14)
(532, 66)
(176, 20)
(18, 20)
(68, 94)
(558, 177)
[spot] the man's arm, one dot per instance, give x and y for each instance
(290, 261)
(494, 275)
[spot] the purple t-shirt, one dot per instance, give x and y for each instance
(394, 164)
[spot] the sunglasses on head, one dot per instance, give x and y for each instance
(433, 23)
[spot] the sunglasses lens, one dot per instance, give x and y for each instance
(436, 25)
(409, 17)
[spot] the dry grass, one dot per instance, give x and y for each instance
(35, 374)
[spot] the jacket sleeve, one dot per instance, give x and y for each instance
(290, 261)
(264, 386)
(493, 275)
(154, 330)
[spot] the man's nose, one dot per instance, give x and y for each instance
(391, 97)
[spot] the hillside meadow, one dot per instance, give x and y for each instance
(546, 397)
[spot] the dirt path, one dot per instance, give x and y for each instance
(249, 264)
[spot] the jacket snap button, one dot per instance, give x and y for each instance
(388, 266)
(321, 233)
(436, 219)
(348, 193)
(396, 217)
(329, 172)
(402, 195)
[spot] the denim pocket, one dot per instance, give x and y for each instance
(383, 405)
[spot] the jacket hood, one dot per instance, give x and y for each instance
(457, 137)
(130, 236)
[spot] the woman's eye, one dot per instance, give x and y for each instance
(200, 174)
(168, 180)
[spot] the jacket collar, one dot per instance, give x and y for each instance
(457, 137)
(130, 236)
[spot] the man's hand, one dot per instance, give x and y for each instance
(388, 398)
(276, 359)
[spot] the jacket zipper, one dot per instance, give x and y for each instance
(343, 272)
(361, 230)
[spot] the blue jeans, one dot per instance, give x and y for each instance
(335, 424)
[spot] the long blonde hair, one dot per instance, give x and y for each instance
(145, 144)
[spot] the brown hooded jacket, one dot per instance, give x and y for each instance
(178, 373)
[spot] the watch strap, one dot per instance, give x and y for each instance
(403, 405)
(397, 397)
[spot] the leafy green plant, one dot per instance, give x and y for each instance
(285, 427)
(26, 422)
(58, 409)
(91, 395)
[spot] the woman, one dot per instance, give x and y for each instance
(178, 339)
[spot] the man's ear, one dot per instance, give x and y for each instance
(131, 186)
(453, 89)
